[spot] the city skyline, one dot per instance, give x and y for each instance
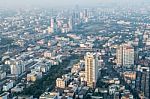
(74, 49)
(63, 3)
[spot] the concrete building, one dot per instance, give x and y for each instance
(17, 88)
(47, 54)
(60, 83)
(34, 76)
(75, 68)
(142, 81)
(25, 97)
(130, 74)
(49, 95)
(4, 95)
(125, 55)
(145, 80)
(91, 69)
(2, 75)
(16, 66)
(8, 85)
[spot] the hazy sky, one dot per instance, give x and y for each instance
(52, 3)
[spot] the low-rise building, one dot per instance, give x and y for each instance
(60, 83)
(49, 95)
(4, 95)
(7, 86)
(2, 75)
(17, 88)
(34, 76)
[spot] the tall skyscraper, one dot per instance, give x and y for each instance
(52, 23)
(53, 26)
(125, 55)
(119, 55)
(70, 24)
(91, 69)
(143, 81)
(85, 13)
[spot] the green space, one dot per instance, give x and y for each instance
(47, 83)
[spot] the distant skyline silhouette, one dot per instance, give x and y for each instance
(60, 3)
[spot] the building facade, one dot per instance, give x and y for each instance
(91, 69)
(125, 55)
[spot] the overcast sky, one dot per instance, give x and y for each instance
(53, 3)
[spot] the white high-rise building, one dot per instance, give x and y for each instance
(52, 23)
(125, 55)
(91, 69)
(70, 24)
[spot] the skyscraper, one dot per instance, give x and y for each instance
(53, 26)
(52, 23)
(91, 69)
(119, 55)
(70, 24)
(145, 80)
(125, 55)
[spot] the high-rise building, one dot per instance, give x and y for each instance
(145, 80)
(91, 69)
(16, 66)
(52, 23)
(85, 13)
(70, 24)
(119, 55)
(53, 26)
(125, 55)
